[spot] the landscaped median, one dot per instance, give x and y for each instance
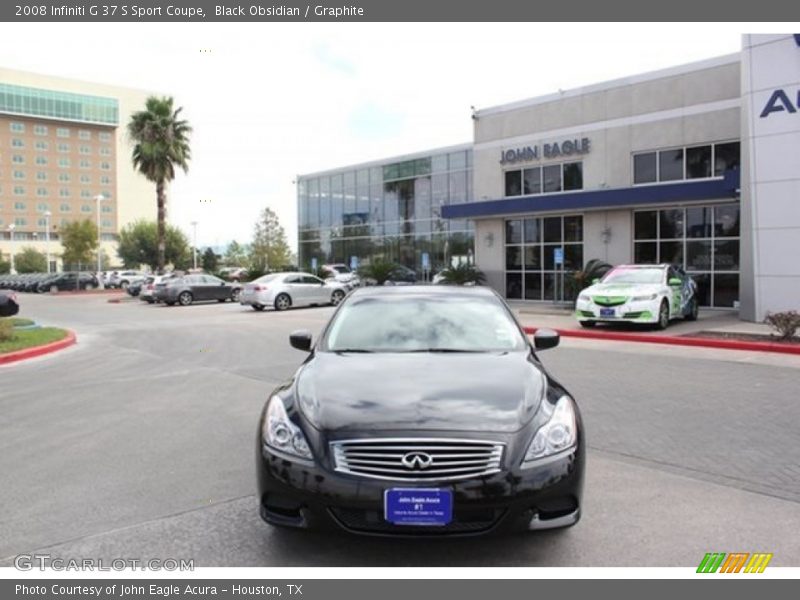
(679, 340)
(22, 338)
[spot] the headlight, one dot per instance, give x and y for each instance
(283, 435)
(559, 433)
(584, 297)
(644, 298)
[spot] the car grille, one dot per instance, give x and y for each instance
(464, 522)
(417, 459)
(610, 300)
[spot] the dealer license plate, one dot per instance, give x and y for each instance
(418, 506)
(608, 312)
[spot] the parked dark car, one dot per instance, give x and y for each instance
(423, 411)
(195, 288)
(8, 304)
(69, 281)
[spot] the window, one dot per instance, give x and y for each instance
(63, 148)
(86, 208)
(19, 191)
(546, 179)
(20, 222)
(63, 193)
(41, 176)
(704, 240)
(41, 160)
(86, 194)
(64, 207)
(17, 143)
(106, 209)
(105, 151)
(19, 174)
(64, 163)
(693, 162)
(85, 150)
(84, 164)
(62, 132)
(18, 159)
(531, 245)
(105, 166)
(84, 134)
(104, 136)
(105, 179)
(85, 179)
(20, 206)
(42, 192)
(41, 145)
(106, 223)
(17, 127)
(41, 222)
(63, 177)
(39, 130)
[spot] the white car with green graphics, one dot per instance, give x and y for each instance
(653, 294)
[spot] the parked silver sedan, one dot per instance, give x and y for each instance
(285, 290)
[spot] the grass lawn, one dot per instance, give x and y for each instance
(31, 338)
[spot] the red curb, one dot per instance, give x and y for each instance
(18, 355)
(677, 341)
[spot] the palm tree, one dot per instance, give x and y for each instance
(463, 274)
(161, 143)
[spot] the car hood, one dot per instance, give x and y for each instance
(622, 289)
(421, 391)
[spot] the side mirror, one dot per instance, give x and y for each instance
(675, 282)
(545, 338)
(301, 339)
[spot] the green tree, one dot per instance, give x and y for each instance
(235, 254)
(269, 250)
(138, 245)
(210, 261)
(30, 260)
(79, 240)
(377, 270)
(5, 266)
(161, 143)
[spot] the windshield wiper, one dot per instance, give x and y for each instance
(358, 350)
(445, 350)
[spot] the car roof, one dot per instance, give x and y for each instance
(434, 291)
(659, 266)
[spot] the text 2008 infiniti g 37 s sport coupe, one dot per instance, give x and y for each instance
(421, 411)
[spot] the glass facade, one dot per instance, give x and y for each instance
(531, 245)
(704, 240)
(391, 211)
(65, 106)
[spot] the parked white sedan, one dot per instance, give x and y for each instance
(284, 290)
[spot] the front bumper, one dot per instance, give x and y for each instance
(643, 311)
(304, 495)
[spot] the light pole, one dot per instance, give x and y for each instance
(194, 245)
(47, 215)
(11, 229)
(100, 283)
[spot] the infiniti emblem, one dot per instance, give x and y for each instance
(417, 461)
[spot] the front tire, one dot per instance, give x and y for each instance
(336, 297)
(663, 316)
(185, 298)
(282, 302)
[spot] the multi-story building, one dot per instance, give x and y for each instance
(696, 165)
(62, 145)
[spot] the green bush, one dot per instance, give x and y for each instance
(6, 330)
(785, 323)
(378, 270)
(463, 274)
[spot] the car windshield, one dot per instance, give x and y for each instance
(628, 275)
(417, 323)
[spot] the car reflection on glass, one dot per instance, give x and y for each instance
(421, 411)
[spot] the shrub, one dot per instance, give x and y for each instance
(785, 323)
(378, 270)
(6, 330)
(463, 274)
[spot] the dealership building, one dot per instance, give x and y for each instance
(696, 165)
(63, 144)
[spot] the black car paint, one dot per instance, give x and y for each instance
(492, 396)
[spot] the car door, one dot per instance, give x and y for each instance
(296, 290)
(201, 287)
(315, 289)
(69, 282)
(217, 288)
(677, 295)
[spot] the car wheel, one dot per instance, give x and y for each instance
(185, 298)
(259, 307)
(123, 285)
(693, 310)
(663, 316)
(336, 297)
(588, 324)
(282, 302)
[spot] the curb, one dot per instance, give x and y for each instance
(677, 341)
(18, 355)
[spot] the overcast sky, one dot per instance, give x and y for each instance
(272, 101)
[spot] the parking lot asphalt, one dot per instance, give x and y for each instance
(138, 443)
